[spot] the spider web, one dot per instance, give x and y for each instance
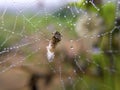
(77, 65)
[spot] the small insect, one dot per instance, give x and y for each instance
(56, 38)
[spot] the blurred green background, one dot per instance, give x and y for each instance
(87, 58)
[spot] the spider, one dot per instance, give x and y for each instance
(56, 38)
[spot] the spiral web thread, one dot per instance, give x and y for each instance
(37, 36)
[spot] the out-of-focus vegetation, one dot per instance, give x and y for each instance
(97, 71)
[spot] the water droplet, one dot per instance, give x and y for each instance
(60, 25)
(88, 23)
(60, 8)
(1, 27)
(64, 16)
(83, 4)
(13, 32)
(5, 30)
(91, 37)
(11, 48)
(74, 24)
(68, 7)
(74, 71)
(71, 41)
(89, 18)
(74, 16)
(98, 35)
(98, 9)
(69, 77)
(109, 1)
(86, 1)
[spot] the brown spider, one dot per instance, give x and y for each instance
(56, 38)
(52, 44)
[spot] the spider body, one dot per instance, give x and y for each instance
(56, 38)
